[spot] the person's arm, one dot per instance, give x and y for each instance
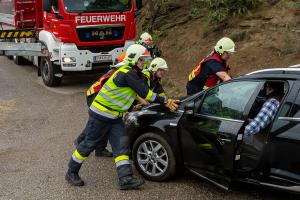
(218, 69)
(223, 76)
(142, 101)
(139, 86)
(263, 118)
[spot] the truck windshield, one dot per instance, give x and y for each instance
(87, 6)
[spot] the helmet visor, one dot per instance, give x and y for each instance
(232, 50)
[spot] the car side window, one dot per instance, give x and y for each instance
(228, 100)
(289, 110)
(54, 4)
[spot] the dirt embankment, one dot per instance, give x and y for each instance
(267, 37)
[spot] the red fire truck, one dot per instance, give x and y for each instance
(61, 36)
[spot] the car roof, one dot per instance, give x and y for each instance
(292, 72)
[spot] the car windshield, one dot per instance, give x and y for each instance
(88, 6)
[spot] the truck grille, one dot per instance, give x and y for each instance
(100, 33)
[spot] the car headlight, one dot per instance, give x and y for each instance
(131, 118)
(68, 59)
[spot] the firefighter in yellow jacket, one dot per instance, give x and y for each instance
(91, 93)
(105, 117)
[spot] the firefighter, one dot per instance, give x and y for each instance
(146, 40)
(211, 69)
(105, 117)
(154, 74)
(91, 94)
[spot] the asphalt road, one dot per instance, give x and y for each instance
(37, 128)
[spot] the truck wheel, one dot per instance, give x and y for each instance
(153, 157)
(49, 71)
(19, 60)
(10, 57)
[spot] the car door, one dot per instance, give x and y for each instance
(284, 142)
(208, 136)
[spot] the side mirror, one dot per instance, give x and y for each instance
(138, 4)
(189, 108)
(47, 5)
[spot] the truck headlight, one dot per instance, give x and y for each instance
(68, 59)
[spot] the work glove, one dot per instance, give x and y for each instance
(172, 104)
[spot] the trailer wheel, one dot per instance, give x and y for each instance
(49, 73)
(19, 60)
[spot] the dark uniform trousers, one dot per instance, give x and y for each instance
(98, 128)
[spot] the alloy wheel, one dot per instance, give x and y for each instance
(152, 158)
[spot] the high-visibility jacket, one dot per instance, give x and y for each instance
(154, 83)
(213, 79)
(95, 88)
(113, 100)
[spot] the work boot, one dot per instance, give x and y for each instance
(74, 179)
(104, 153)
(130, 183)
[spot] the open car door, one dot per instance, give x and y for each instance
(209, 129)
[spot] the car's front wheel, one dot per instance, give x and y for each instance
(153, 157)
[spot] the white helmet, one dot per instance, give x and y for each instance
(158, 63)
(225, 44)
(145, 38)
(136, 51)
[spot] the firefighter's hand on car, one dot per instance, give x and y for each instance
(142, 101)
(172, 104)
(138, 106)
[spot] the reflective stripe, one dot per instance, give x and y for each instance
(89, 92)
(118, 93)
(105, 114)
(122, 162)
(151, 96)
(101, 107)
(205, 146)
(205, 88)
(77, 157)
(123, 106)
(122, 157)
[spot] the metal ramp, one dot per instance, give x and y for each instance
(22, 49)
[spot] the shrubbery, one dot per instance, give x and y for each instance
(223, 9)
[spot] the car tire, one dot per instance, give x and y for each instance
(165, 166)
(49, 71)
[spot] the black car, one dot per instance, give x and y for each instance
(205, 135)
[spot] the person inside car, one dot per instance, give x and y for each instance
(275, 93)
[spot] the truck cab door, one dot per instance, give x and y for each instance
(51, 10)
(210, 131)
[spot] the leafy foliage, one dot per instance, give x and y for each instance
(223, 9)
